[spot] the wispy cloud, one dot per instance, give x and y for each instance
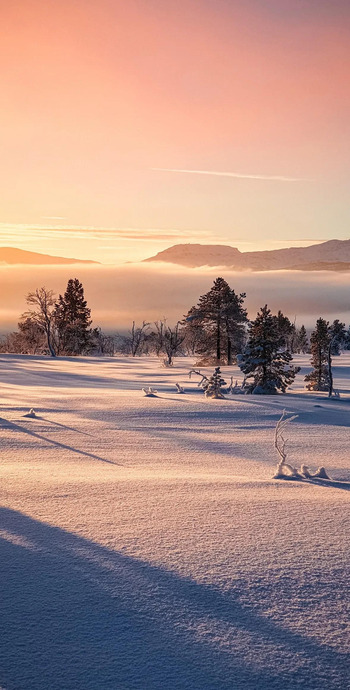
(240, 176)
(12, 231)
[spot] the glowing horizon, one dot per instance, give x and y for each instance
(86, 241)
(102, 100)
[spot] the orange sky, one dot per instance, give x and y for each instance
(102, 99)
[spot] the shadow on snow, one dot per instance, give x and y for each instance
(76, 615)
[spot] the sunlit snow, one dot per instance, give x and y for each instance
(144, 543)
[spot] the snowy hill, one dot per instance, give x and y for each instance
(11, 255)
(325, 256)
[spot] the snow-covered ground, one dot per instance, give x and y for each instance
(144, 544)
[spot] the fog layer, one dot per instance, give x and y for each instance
(119, 294)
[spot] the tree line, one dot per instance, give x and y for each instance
(216, 330)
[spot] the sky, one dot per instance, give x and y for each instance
(128, 127)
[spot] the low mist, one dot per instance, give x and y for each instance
(117, 295)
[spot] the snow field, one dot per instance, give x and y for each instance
(144, 544)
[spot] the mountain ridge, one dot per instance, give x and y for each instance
(329, 255)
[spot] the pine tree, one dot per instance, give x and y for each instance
(220, 317)
(195, 334)
(213, 385)
(318, 379)
(72, 319)
(326, 341)
(264, 359)
(284, 328)
(302, 344)
(338, 335)
(347, 340)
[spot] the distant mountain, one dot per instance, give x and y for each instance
(193, 255)
(9, 255)
(323, 266)
(330, 256)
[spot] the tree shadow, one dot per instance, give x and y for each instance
(45, 419)
(6, 424)
(80, 616)
(65, 426)
(330, 483)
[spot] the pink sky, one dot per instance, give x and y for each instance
(97, 94)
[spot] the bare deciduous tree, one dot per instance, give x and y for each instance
(101, 343)
(157, 337)
(42, 302)
(172, 341)
(134, 342)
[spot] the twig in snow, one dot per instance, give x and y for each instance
(150, 392)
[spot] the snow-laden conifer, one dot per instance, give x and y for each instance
(265, 363)
(326, 341)
(302, 341)
(219, 320)
(72, 320)
(213, 385)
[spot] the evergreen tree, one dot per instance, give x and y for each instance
(213, 385)
(285, 329)
(292, 340)
(338, 335)
(195, 334)
(221, 317)
(347, 340)
(302, 342)
(264, 359)
(318, 379)
(326, 341)
(72, 320)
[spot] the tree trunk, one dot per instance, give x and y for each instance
(319, 378)
(264, 368)
(229, 350)
(228, 342)
(49, 344)
(330, 373)
(218, 343)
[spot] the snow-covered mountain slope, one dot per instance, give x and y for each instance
(323, 256)
(144, 544)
